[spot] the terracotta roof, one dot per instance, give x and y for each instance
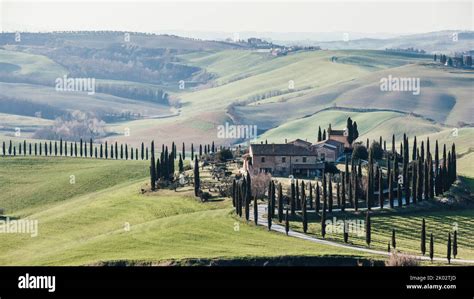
(336, 132)
(301, 141)
(287, 149)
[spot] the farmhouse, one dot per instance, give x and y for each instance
(297, 157)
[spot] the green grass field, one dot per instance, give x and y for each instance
(408, 230)
(86, 223)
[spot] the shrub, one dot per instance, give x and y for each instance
(401, 260)
(360, 152)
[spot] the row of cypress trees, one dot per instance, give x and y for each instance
(86, 149)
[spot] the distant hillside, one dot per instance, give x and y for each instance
(440, 41)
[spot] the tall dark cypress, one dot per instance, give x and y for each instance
(431, 247)
(280, 203)
(330, 197)
(192, 151)
(184, 152)
(116, 150)
(368, 228)
(297, 197)
(180, 164)
(423, 237)
(380, 187)
(80, 147)
(394, 241)
(338, 194)
(343, 192)
(197, 181)
(292, 198)
(448, 253)
(152, 168)
(323, 219)
(413, 183)
(455, 243)
(346, 231)
(310, 187)
(106, 148)
(248, 191)
(287, 222)
(90, 147)
(255, 211)
(303, 209)
(269, 214)
(390, 189)
(318, 199)
(414, 155)
(325, 194)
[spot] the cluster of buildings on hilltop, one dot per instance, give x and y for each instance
(298, 157)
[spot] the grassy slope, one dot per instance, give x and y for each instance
(408, 230)
(88, 225)
(28, 184)
(36, 66)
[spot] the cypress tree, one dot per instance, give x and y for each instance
(116, 150)
(419, 180)
(143, 151)
(388, 248)
(152, 168)
(455, 243)
(255, 211)
(45, 148)
(269, 214)
(101, 151)
(370, 179)
(292, 199)
(310, 187)
(280, 203)
(390, 189)
(367, 229)
(380, 187)
(197, 180)
(325, 194)
(338, 195)
(303, 211)
(413, 183)
(95, 152)
(393, 144)
(248, 191)
(423, 237)
(431, 247)
(200, 150)
(55, 148)
(36, 148)
(3, 148)
(184, 152)
(273, 200)
(320, 136)
(180, 164)
(330, 198)
(29, 145)
(234, 190)
(414, 156)
(80, 147)
(192, 151)
(297, 198)
(287, 222)
(318, 198)
(324, 134)
(106, 148)
(343, 192)
(146, 153)
(136, 153)
(426, 175)
(323, 219)
(394, 241)
(346, 232)
(90, 147)
(448, 254)
(121, 151)
(111, 151)
(247, 203)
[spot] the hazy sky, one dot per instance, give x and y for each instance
(237, 16)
